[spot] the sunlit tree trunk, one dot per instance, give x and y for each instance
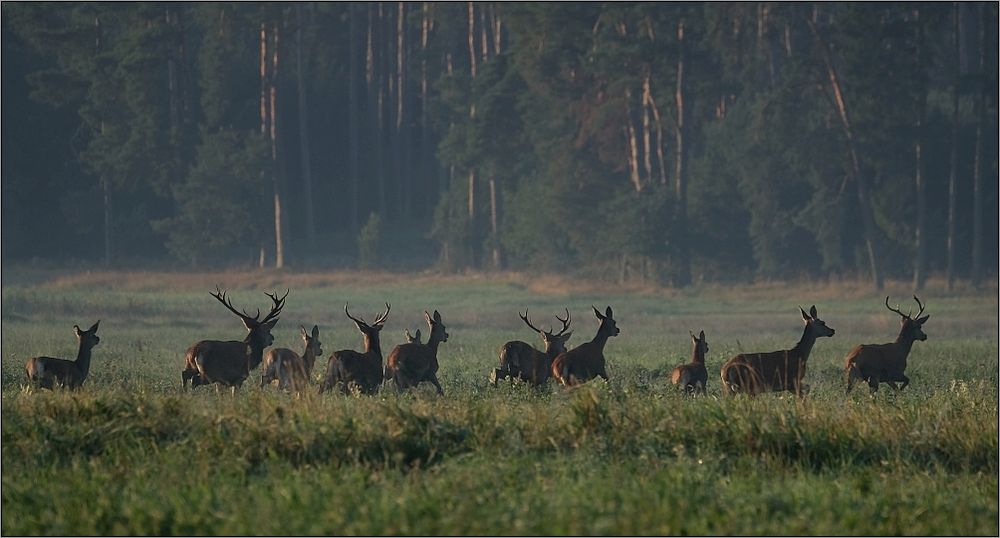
(681, 262)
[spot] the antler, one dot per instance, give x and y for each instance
(354, 319)
(896, 310)
(220, 295)
(921, 305)
(524, 317)
(276, 309)
(565, 323)
(382, 317)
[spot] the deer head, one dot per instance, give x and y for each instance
(370, 331)
(312, 340)
(700, 344)
(437, 328)
(910, 328)
(815, 326)
(608, 325)
(258, 330)
(88, 339)
(554, 342)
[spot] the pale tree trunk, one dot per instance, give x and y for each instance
(494, 202)
(920, 263)
(473, 225)
(404, 177)
(264, 116)
(353, 119)
(953, 160)
(304, 137)
(647, 95)
(425, 147)
(864, 203)
(632, 155)
(279, 238)
(681, 261)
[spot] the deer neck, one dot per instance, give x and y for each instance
(372, 346)
(432, 343)
(599, 340)
(83, 358)
(697, 357)
(903, 344)
(255, 352)
(805, 345)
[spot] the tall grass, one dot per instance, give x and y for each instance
(133, 454)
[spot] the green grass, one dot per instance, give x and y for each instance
(133, 454)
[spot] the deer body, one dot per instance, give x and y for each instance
(290, 369)
(754, 373)
(886, 363)
(348, 368)
(585, 362)
(48, 372)
(522, 361)
(693, 377)
(410, 364)
(229, 363)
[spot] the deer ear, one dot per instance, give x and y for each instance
(315, 331)
(923, 319)
(805, 317)
(437, 316)
(270, 324)
(76, 330)
(597, 312)
(812, 311)
(417, 335)
(565, 337)
(701, 336)
(609, 313)
(302, 330)
(93, 328)
(427, 317)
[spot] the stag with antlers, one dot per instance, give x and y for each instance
(885, 363)
(522, 361)
(351, 370)
(754, 373)
(411, 364)
(47, 372)
(586, 362)
(229, 363)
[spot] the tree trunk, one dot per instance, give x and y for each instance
(920, 263)
(304, 137)
(632, 143)
(855, 162)
(424, 171)
(279, 238)
(404, 176)
(977, 171)
(353, 119)
(953, 157)
(681, 262)
(495, 241)
(473, 225)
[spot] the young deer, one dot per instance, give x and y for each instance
(519, 360)
(46, 372)
(410, 364)
(229, 363)
(412, 338)
(693, 377)
(885, 363)
(348, 368)
(586, 362)
(754, 373)
(290, 369)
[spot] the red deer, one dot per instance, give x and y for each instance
(412, 338)
(693, 377)
(46, 372)
(411, 364)
(519, 360)
(885, 363)
(754, 373)
(290, 369)
(583, 363)
(348, 368)
(229, 363)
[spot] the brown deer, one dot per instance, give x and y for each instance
(583, 363)
(229, 363)
(412, 338)
(522, 361)
(46, 372)
(348, 368)
(885, 363)
(693, 377)
(290, 369)
(754, 373)
(411, 364)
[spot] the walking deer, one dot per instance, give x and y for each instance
(693, 377)
(412, 338)
(885, 363)
(586, 362)
(229, 363)
(47, 372)
(754, 373)
(522, 361)
(291, 369)
(348, 368)
(411, 364)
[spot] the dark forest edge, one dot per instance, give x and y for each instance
(643, 144)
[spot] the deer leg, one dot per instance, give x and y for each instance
(906, 381)
(434, 380)
(873, 384)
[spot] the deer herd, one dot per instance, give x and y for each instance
(230, 363)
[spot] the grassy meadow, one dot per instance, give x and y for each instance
(132, 453)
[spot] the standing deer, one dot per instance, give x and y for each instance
(885, 363)
(754, 373)
(290, 369)
(519, 360)
(412, 338)
(693, 377)
(348, 368)
(586, 362)
(229, 363)
(46, 372)
(410, 364)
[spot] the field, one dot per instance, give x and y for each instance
(134, 454)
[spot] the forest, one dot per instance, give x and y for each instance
(671, 143)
